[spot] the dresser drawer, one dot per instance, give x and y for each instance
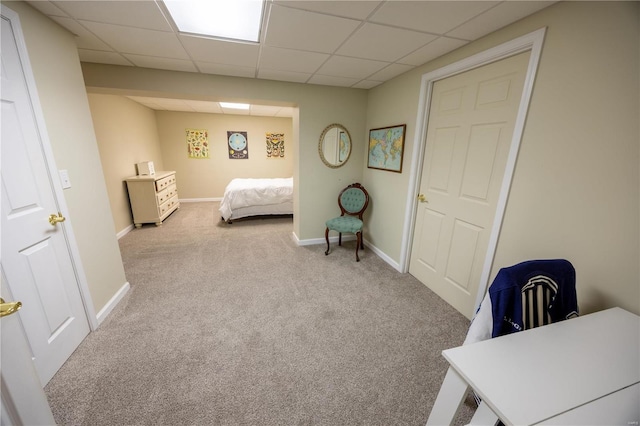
(167, 193)
(165, 182)
(167, 207)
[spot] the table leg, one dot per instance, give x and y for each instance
(452, 393)
(484, 416)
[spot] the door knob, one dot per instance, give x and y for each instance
(9, 308)
(422, 198)
(54, 219)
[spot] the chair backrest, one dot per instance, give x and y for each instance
(353, 200)
(545, 289)
(524, 296)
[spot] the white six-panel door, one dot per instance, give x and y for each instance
(470, 126)
(37, 266)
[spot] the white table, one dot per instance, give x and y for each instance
(562, 373)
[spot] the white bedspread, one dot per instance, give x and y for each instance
(255, 192)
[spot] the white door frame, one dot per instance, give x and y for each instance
(58, 194)
(533, 42)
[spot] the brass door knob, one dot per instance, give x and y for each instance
(9, 308)
(54, 219)
(422, 198)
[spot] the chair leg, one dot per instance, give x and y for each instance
(326, 237)
(339, 238)
(358, 242)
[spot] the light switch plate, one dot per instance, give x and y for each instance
(64, 177)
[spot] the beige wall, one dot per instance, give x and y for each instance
(207, 178)
(575, 192)
(56, 68)
(127, 134)
(575, 189)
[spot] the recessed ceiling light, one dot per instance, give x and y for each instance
(234, 105)
(231, 19)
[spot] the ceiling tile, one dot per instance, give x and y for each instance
(390, 72)
(162, 63)
(264, 110)
(85, 39)
(497, 17)
(279, 75)
(436, 17)
(205, 106)
(144, 101)
(342, 66)
(141, 14)
(138, 41)
(366, 84)
(101, 57)
(383, 43)
(217, 51)
(48, 8)
(432, 50)
(276, 58)
(352, 43)
(168, 104)
(297, 29)
(234, 111)
(349, 9)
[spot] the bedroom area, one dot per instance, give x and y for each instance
(131, 130)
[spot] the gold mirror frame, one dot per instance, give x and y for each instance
(334, 146)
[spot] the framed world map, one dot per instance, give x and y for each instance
(386, 148)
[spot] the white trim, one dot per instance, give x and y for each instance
(382, 255)
(533, 42)
(112, 303)
(54, 178)
(125, 231)
(316, 241)
(348, 237)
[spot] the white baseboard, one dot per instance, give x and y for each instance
(315, 241)
(350, 237)
(106, 310)
(395, 265)
(125, 231)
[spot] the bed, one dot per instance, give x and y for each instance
(257, 197)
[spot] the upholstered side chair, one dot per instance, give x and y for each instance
(353, 201)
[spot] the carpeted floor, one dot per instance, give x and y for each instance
(237, 325)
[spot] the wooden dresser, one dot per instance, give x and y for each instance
(152, 197)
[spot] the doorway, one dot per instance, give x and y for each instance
(38, 266)
(428, 237)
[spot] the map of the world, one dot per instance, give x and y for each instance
(386, 148)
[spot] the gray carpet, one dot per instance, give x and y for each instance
(237, 325)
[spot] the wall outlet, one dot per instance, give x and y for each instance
(64, 178)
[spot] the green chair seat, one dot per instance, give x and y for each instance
(345, 224)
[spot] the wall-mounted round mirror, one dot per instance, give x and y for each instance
(335, 145)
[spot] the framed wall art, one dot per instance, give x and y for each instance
(275, 145)
(197, 143)
(238, 145)
(386, 148)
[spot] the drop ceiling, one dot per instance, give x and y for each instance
(358, 44)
